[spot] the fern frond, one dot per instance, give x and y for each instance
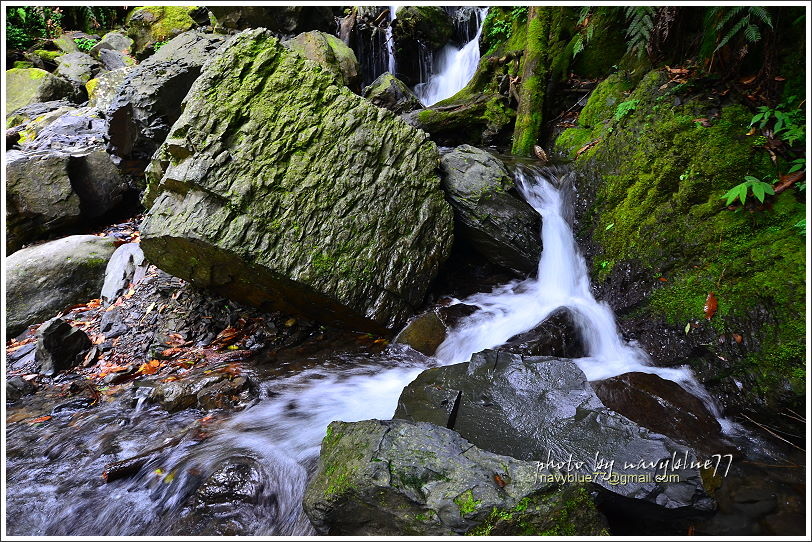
(762, 14)
(733, 31)
(732, 12)
(751, 33)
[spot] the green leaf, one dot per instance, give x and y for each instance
(751, 179)
(758, 192)
(768, 189)
(742, 192)
(731, 194)
(610, 226)
(687, 328)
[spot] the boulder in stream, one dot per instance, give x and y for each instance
(488, 215)
(395, 477)
(391, 93)
(427, 331)
(543, 409)
(558, 335)
(231, 193)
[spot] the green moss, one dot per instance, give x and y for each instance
(663, 176)
(91, 87)
(466, 502)
(166, 21)
(48, 55)
(571, 140)
(606, 46)
(604, 99)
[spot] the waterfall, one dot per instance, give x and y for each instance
(451, 68)
(562, 281)
(390, 41)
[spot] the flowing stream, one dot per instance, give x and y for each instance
(54, 484)
(452, 67)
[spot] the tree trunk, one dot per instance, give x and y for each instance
(535, 75)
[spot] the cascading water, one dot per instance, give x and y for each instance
(54, 487)
(452, 68)
(390, 41)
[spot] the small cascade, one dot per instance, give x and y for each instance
(447, 72)
(562, 281)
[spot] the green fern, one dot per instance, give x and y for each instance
(585, 33)
(729, 22)
(641, 24)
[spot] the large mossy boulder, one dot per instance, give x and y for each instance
(331, 53)
(543, 409)
(78, 68)
(150, 25)
(279, 187)
(667, 156)
(402, 478)
(488, 213)
(480, 118)
(391, 93)
(148, 101)
(42, 280)
(26, 86)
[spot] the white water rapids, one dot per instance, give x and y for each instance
(452, 68)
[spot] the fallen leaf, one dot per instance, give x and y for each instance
(290, 322)
(662, 279)
(710, 306)
(747, 80)
(40, 419)
(779, 78)
(588, 146)
(737, 338)
(499, 481)
(687, 328)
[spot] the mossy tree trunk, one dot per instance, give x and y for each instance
(535, 73)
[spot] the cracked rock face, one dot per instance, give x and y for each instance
(232, 193)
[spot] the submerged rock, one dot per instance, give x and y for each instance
(402, 478)
(558, 335)
(497, 223)
(148, 101)
(206, 391)
(329, 52)
(26, 86)
(44, 279)
(17, 387)
(391, 93)
(544, 409)
(60, 346)
(232, 193)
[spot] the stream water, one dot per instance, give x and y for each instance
(53, 468)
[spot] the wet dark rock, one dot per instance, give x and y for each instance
(362, 262)
(391, 93)
(126, 266)
(148, 102)
(22, 358)
(112, 41)
(488, 215)
(17, 387)
(536, 408)
(397, 477)
(77, 67)
(230, 502)
(283, 19)
(112, 60)
(662, 406)
(427, 331)
(558, 335)
(79, 403)
(60, 346)
(483, 119)
(206, 391)
(44, 279)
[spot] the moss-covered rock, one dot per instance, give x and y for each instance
(102, 89)
(389, 92)
(278, 186)
(47, 56)
(605, 46)
(331, 53)
(147, 26)
(65, 44)
(25, 86)
(404, 478)
(77, 67)
(283, 19)
(666, 161)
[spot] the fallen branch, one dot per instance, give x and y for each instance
(770, 431)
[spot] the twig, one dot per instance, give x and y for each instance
(773, 433)
(793, 416)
